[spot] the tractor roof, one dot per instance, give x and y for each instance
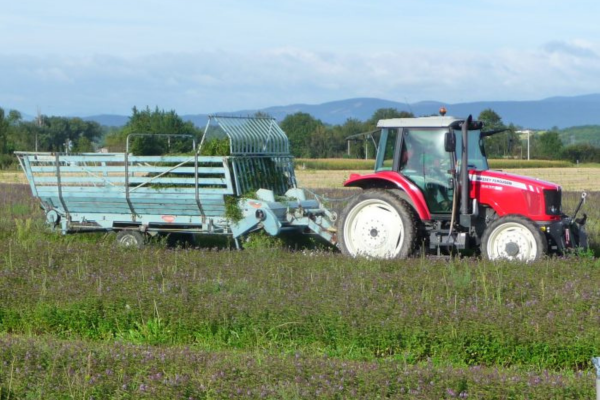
(421, 122)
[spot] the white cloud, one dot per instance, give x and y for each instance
(211, 81)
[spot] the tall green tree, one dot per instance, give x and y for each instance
(299, 128)
(502, 144)
(548, 146)
(157, 124)
(581, 153)
(351, 127)
(4, 126)
(386, 113)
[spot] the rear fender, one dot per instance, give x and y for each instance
(391, 180)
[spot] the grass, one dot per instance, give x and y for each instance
(81, 318)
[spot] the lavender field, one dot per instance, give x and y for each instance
(80, 318)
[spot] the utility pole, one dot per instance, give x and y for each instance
(528, 133)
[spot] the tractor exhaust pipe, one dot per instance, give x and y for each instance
(464, 168)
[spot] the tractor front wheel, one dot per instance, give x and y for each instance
(513, 237)
(377, 224)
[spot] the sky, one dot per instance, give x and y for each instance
(79, 58)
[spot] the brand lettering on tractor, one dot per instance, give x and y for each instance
(498, 181)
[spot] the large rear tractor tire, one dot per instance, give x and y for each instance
(378, 224)
(513, 238)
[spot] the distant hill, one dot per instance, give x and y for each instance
(560, 112)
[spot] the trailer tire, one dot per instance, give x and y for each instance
(513, 238)
(378, 224)
(130, 238)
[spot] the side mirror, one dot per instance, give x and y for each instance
(450, 142)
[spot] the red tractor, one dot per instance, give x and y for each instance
(420, 197)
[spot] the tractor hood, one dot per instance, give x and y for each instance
(513, 194)
(503, 180)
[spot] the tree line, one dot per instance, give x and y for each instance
(55, 134)
(309, 137)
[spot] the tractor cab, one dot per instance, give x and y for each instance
(417, 149)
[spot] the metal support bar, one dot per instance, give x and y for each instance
(59, 186)
(196, 188)
(127, 197)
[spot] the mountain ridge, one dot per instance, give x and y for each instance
(559, 111)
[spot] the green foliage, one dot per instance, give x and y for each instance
(83, 145)
(385, 113)
(155, 123)
(299, 127)
(548, 146)
(504, 144)
(233, 210)
(6, 161)
(587, 134)
(262, 241)
(581, 153)
(216, 147)
(45, 134)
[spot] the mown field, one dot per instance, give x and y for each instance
(80, 318)
(332, 173)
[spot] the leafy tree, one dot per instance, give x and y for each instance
(154, 123)
(502, 144)
(495, 145)
(4, 126)
(581, 134)
(548, 146)
(83, 145)
(351, 127)
(581, 153)
(299, 127)
(386, 113)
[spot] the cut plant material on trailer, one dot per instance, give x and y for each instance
(253, 188)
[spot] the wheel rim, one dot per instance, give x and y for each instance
(512, 241)
(374, 229)
(128, 241)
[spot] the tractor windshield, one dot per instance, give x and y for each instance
(477, 158)
(424, 161)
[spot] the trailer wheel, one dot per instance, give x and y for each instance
(377, 224)
(130, 238)
(514, 238)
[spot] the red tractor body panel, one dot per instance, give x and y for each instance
(384, 179)
(512, 194)
(505, 193)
